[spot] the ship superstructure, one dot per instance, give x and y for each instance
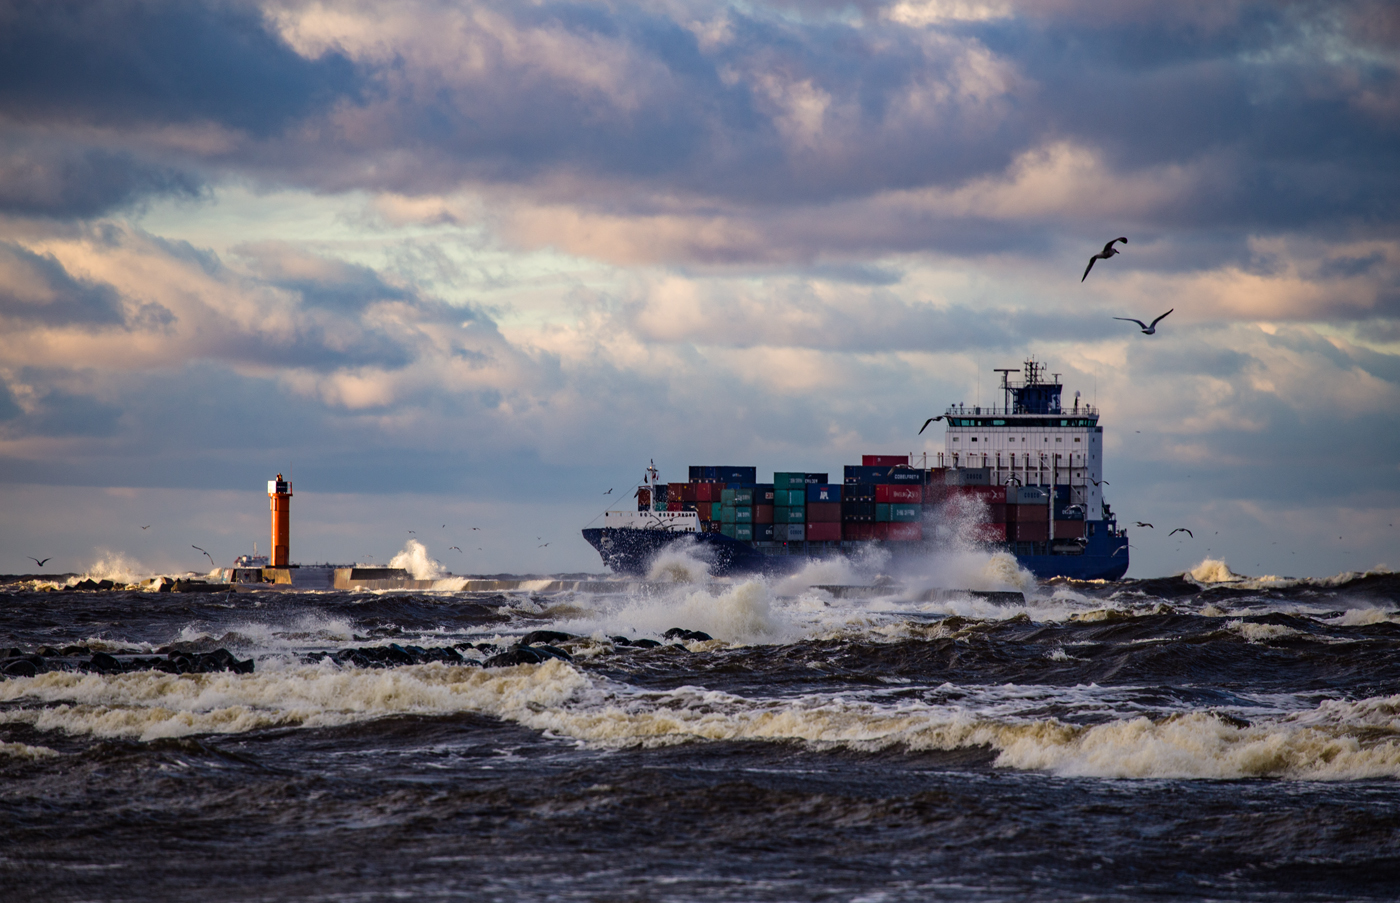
(1025, 477)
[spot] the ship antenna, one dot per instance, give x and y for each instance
(1005, 387)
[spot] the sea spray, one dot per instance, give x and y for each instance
(415, 559)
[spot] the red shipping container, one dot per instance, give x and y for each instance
(997, 510)
(1069, 529)
(763, 514)
(1026, 514)
(988, 494)
(892, 493)
(674, 506)
(703, 492)
(823, 512)
(643, 498)
(857, 531)
(905, 532)
(1032, 531)
(882, 529)
(675, 492)
(824, 531)
(884, 460)
(988, 532)
(935, 492)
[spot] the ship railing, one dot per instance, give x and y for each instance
(964, 410)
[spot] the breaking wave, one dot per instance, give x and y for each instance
(415, 559)
(1334, 741)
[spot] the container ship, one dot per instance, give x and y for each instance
(1024, 478)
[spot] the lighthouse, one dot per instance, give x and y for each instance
(279, 493)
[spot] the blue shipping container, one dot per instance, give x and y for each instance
(823, 492)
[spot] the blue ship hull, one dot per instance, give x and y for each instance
(629, 551)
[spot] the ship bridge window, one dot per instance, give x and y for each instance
(974, 438)
(1076, 438)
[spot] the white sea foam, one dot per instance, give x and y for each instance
(1260, 633)
(415, 559)
(1334, 741)
(25, 751)
(1361, 617)
(679, 562)
(1213, 570)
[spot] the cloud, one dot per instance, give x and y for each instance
(141, 61)
(36, 289)
(56, 179)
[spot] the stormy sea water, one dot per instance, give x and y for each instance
(1203, 736)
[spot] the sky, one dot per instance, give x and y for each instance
(455, 264)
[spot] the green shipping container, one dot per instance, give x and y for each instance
(882, 512)
(797, 498)
(903, 514)
(727, 530)
(743, 515)
(715, 508)
(786, 515)
(742, 496)
(744, 532)
(790, 481)
(726, 496)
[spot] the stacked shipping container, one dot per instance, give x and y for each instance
(881, 499)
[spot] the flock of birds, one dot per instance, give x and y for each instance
(1108, 251)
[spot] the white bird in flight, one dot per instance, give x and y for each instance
(1147, 329)
(1108, 251)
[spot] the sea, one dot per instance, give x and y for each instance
(1203, 736)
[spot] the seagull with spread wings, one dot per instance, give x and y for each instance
(1147, 328)
(1108, 251)
(1182, 530)
(927, 422)
(38, 562)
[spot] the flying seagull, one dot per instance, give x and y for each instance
(38, 562)
(147, 527)
(1147, 329)
(1108, 251)
(206, 555)
(927, 422)
(1142, 524)
(609, 492)
(476, 528)
(1100, 482)
(1182, 530)
(450, 548)
(545, 546)
(413, 532)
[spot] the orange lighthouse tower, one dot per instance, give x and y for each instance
(279, 491)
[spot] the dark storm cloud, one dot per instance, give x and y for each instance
(128, 62)
(1283, 123)
(47, 178)
(35, 289)
(56, 412)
